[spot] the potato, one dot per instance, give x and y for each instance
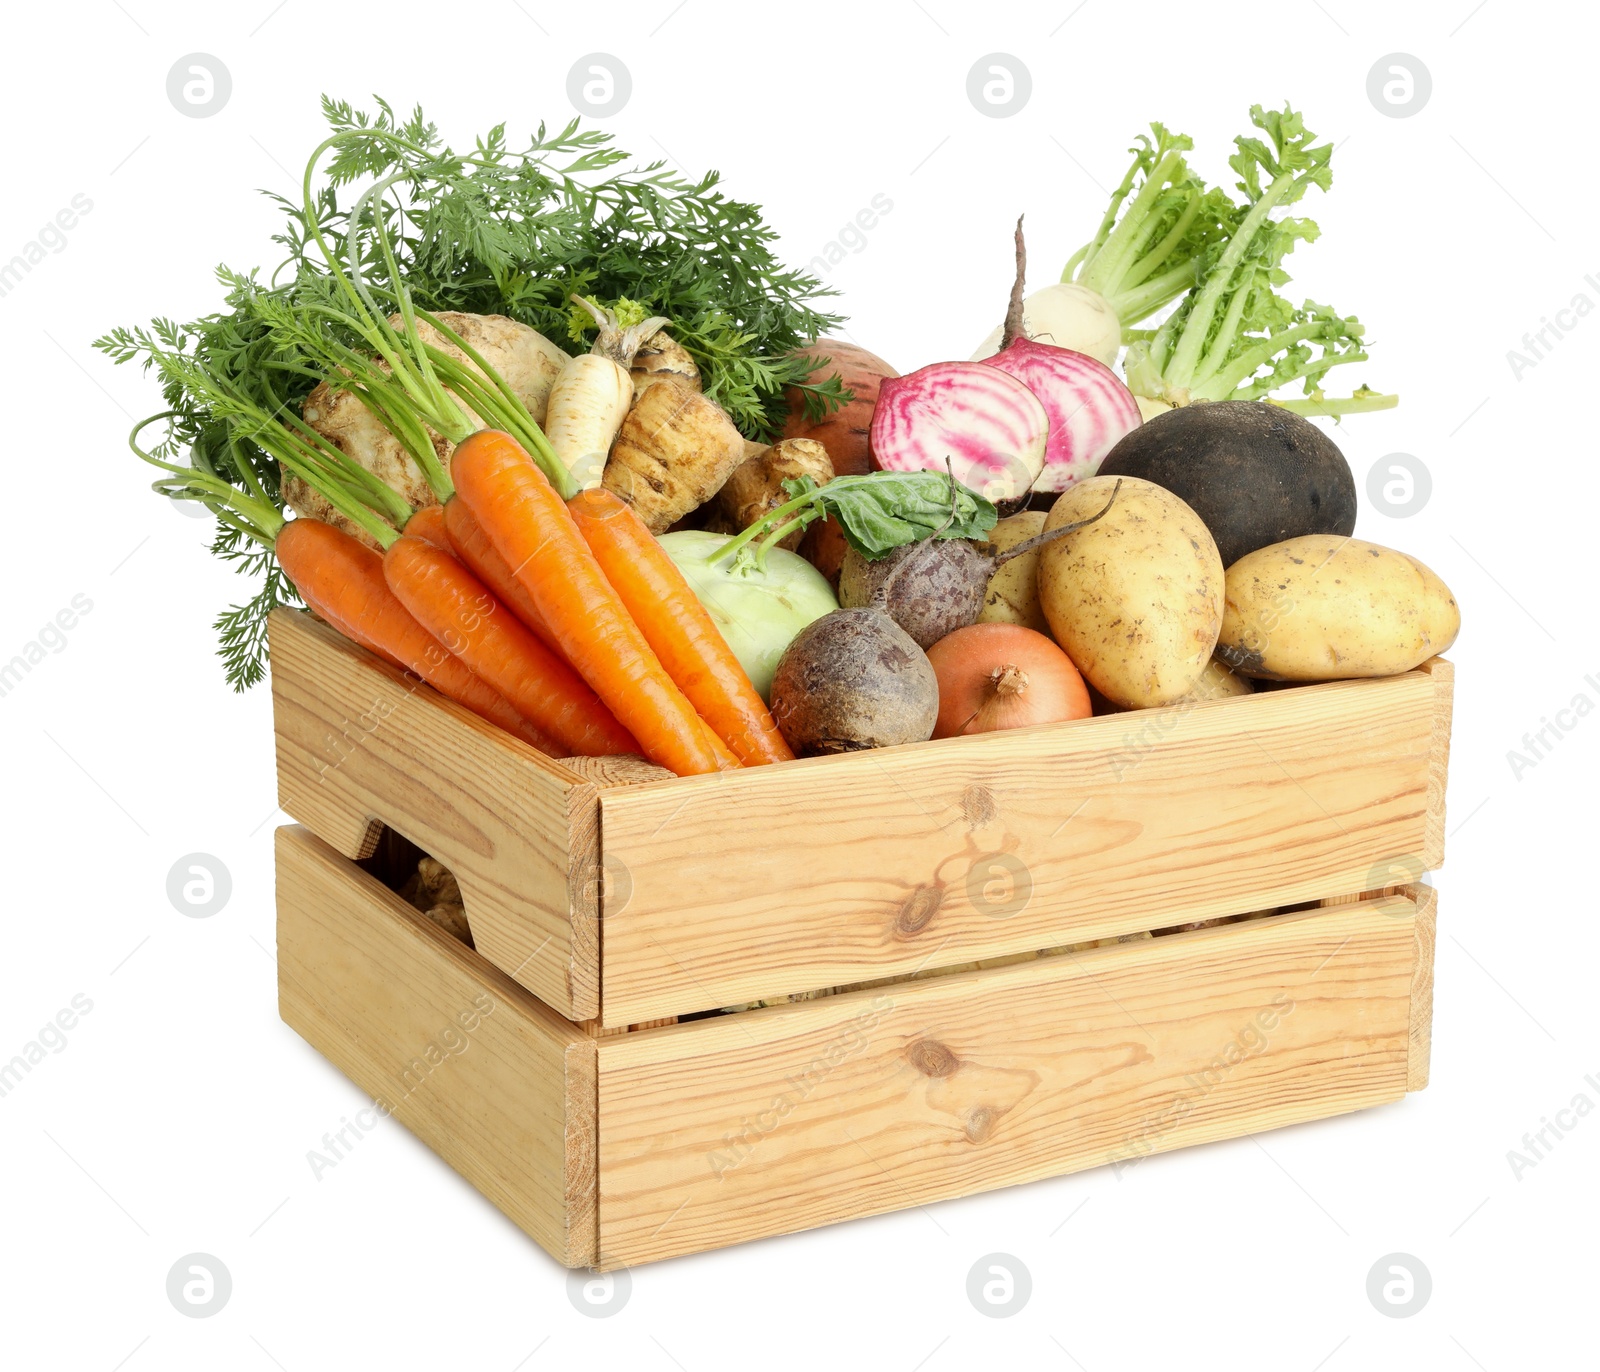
(1256, 474)
(1136, 597)
(1218, 682)
(1324, 608)
(1013, 594)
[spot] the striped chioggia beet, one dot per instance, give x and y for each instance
(986, 424)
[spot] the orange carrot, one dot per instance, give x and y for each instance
(428, 523)
(685, 638)
(459, 611)
(342, 580)
(472, 546)
(530, 528)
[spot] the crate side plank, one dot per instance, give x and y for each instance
(841, 869)
(1421, 1052)
(495, 1082)
(359, 744)
(782, 1119)
(1442, 672)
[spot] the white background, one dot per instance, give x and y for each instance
(179, 1115)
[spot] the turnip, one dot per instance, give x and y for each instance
(1088, 406)
(1142, 257)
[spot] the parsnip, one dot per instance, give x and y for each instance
(674, 451)
(593, 394)
(662, 358)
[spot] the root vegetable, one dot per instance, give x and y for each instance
(1065, 315)
(676, 624)
(593, 394)
(941, 589)
(1160, 222)
(1326, 608)
(674, 451)
(1255, 473)
(342, 580)
(755, 488)
(1003, 676)
(531, 529)
(854, 679)
(843, 432)
(1012, 596)
(662, 358)
(1089, 407)
(1136, 600)
(935, 587)
(527, 361)
(1218, 682)
(982, 421)
(459, 611)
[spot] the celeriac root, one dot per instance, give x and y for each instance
(526, 360)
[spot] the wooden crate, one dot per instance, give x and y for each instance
(626, 904)
(629, 1147)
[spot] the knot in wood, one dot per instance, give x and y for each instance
(981, 1121)
(978, 807)
(918, 909)
(932, 1058)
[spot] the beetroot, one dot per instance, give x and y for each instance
(984, 422)
(1088, 406)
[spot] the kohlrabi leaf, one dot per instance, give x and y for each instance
(879, 512)
(885, 510)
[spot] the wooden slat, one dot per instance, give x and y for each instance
(1442, 673)
(774, 1120)
(493, 1081)
(833, 870)
(1427, 903)
(361, 744)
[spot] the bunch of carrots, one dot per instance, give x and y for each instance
(547, 610)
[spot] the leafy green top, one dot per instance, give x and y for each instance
(878, 512)
(1161, 220)
(485, 231)
(1234, 337)
(498, 231)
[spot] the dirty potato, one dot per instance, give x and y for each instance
(1325, 608)
(1135, 598)
(1013, 594)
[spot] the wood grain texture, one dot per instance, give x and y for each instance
(775, 1120)
(361, 744)
(1442, 673)
(1420, 1059)
(496, 1083)
(832, 870)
